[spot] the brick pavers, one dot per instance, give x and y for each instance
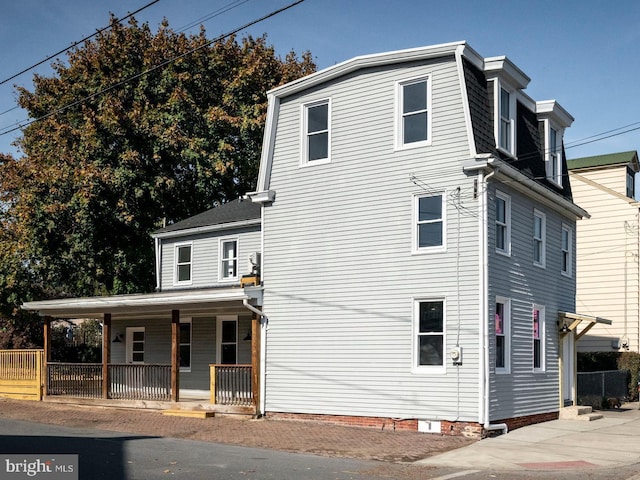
(294, 436)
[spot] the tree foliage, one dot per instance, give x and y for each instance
(122, 146)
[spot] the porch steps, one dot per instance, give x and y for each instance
(578, 412)
(192, 413)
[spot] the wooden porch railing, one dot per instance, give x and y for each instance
(140, 382)
(231, 385)
(21, 374)
(126, 381)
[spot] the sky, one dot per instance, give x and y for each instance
(582, 53)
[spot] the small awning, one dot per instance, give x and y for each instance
(147, 305)
(569, 322)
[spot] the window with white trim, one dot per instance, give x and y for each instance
(185, 344)
(503, 223)
(505, 119)
(414, 112)
(229, 259)
(430, 222)
(227, 339)
(429, 345)
(566, 250)
(539, 238)
(183, 264)
(538, 336)
(502, 326)
(316, 132)
(554, 154)
(631, 183)
(135, 340)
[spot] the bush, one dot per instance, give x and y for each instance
(630, 361)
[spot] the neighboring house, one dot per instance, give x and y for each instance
(418, 244)
(608, 261)
(418, 254)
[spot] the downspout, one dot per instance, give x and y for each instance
(484, 289)
(158, 261)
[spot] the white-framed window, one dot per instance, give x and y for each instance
(503, 223)
(538, 337)
(429, 231)
(505, 119)
(135, 340)
(227, 339)
(229, 259)
(414, 112)
(316, 132)
(553, 153)
(566, 250)
(502, 326)
(539, 238)
(429, 335)
(185, 344)
(183, 263)
(631, 183)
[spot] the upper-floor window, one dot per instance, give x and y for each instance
(538, 338)
(183, 263)
(316, 132)
(503, 223)
(539, 238)
(414, 119)
(566, 250)
(506, 108)
(631, 183)
(553, 155)
(429, 225)
(502, 327)
(229, 259)
(429, 334)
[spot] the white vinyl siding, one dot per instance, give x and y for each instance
(207, 259)
(341, 341)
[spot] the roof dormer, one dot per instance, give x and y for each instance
(555, 120)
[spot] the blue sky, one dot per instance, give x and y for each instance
(584, 54)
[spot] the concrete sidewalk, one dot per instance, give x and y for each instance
(611, 441)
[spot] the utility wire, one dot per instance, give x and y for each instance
(215, 13)
(50, 57)
(152, 69)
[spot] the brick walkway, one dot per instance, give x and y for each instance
(293, 436)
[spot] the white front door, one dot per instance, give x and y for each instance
(568, 369)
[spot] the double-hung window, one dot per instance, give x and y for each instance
(539, 238)
(502, 325)
(429, 334)
(429, 226)
(229, 259)
(566, 251)
(316, 132)
(414, 112)
(631, 183)
(538, 338)
(183, 263)
(185, 345)
(503, 223)
(506, 120)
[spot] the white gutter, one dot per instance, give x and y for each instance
(484, 306)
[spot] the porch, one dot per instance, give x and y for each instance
(144, 370)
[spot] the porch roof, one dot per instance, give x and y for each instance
(570, 322)
(146, 304)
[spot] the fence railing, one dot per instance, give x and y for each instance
(140, 382)
(231, 385)
(20, 364)
(82, 380)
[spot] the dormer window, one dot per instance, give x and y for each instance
(631, 183)
(556, 119)
(553, 154)
(505, 135)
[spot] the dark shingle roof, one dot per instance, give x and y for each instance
(234, 211)
(609, 160)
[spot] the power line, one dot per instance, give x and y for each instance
(50, 57)
(152, 69)
(215, 13)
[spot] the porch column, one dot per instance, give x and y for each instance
(175, 355)
(106, 353)
(47, 350)
(255, 359)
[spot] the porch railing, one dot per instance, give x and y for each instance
(20, 364)
(231, 385)
(126, 381)
(140, 382)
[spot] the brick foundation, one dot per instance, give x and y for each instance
(466, 429)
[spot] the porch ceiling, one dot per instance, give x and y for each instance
(160, 304)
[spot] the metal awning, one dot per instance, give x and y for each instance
(146, 304)
(569, 322)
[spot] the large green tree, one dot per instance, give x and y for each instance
(134, 129)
